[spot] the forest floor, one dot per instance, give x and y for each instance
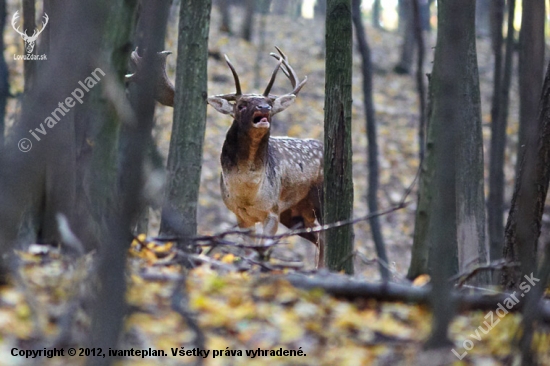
(247, 310)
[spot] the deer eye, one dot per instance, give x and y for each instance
(241, 106)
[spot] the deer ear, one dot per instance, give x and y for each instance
(220, 104)
(283, 102)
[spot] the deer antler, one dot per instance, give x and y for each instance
(14, 22)
(289, 71)
(37, 33)
(272, 80)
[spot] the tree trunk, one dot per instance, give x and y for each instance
(408, 45)
(419, 39)
(320, 9)
(375, 13)
(525, 217)
(225, 25)
(483, 15)
(29, 24)
(185, 155)
(470, 195)
(4, 72)
(248, 21)
(372, 152)
(109, 309)
(495, 202)
(421, 248)
(531, 70)
(338, 183)
(454, 78)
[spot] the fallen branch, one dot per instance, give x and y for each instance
(344, 287)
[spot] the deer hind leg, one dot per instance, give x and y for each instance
(303, 215)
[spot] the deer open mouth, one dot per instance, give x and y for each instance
(260, 120)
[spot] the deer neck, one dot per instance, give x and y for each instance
(244, 150)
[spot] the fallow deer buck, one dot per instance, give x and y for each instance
(268, 179)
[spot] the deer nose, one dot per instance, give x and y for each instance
(264, 108)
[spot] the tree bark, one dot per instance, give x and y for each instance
(29, 24)
(483, 15)
(185, 155)
(457, 136)
(375, 13)
(248, 21)
(407, 47)
(4, 73)
(525, 217)
(225, 25)
(421, 247)
(372, 152)
(109, 309)
(499, 114)
(338, 183)
(531, 72)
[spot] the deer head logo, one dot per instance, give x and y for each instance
(29, 41)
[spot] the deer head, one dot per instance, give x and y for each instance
(253, 112)
(29, 41)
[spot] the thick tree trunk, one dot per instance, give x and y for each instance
(338, 183)
(372, 152)
(109, 309)
(456, 125)
(185, 155)
(499, 114)
(531, 70)
(525, 217)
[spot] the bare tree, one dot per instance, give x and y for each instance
(372, 152)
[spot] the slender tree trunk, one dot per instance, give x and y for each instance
(338, 183)
(421, 247)
(419, 38)
(29, 25)
(531, 69)
(453, 79)
(4, 73)
(483, 15)
(372, 152)
(495, 203)
(248, 22)
(408, 45)
(376, 12)
(225, 25)
(185, 155)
